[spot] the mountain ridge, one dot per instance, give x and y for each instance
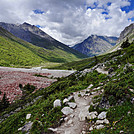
(95, 45)
(36, 36)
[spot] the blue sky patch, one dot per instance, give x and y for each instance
(107, 18)
(38, 26)
(128, 8)
(95, 6)
(109, 3)
(105, 13)
(38, 11)
(132, 19)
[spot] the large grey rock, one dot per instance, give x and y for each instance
(70, 97)
(57, 103)
(91, 128)
(53, 129)
(26, 127)
(90, 86)
(99, 126)
(72, 105)
(102, 115)
(65, 100)
(92, 115)
(28, 116)
(67, 110)
(70, 121)
(105, 121)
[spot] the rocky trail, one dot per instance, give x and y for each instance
(75, 122)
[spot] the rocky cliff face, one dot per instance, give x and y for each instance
(128, 32)
(25, 31)
(95, 45)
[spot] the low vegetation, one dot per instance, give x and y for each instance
(116, 87)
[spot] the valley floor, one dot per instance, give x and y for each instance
(10, 78)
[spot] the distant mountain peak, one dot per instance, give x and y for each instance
(95, 45)
(25, 23)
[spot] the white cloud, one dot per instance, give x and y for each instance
(69, 21)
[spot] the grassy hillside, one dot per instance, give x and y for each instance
(116, 88)
(16, 52)
(13, 53)
(87, 63)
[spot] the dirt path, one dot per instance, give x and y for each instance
(76, 122)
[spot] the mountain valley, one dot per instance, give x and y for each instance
(96, 96)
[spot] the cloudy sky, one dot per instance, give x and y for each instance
(70, 21)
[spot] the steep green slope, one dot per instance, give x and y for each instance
(116, 89)
(15, 51)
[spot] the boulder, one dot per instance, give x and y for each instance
(67, 110)
(92, 115)
(70, 97)
(99, 126)
(83, 132)
(102, 115)
(106, 121)
(65, 100)
(102, 121)
(52, 129)
(26, 127)
(93, 93)
(70, 121)
(91, 128)
(57, 103)
(99, 122)
(90, 86)
(72, 105)
(28, 116)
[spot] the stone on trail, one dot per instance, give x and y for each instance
(57, 103)
(92, 115)
(91, 128)
(65, 100)
(26, 127)
(52, 129)
(102, 115)
(99, 126)
(102, 121)
(67, 110)
(90, 86)
(28, 116)
(106, 121)
(70, 121)
(72, 105)
(70, 97)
